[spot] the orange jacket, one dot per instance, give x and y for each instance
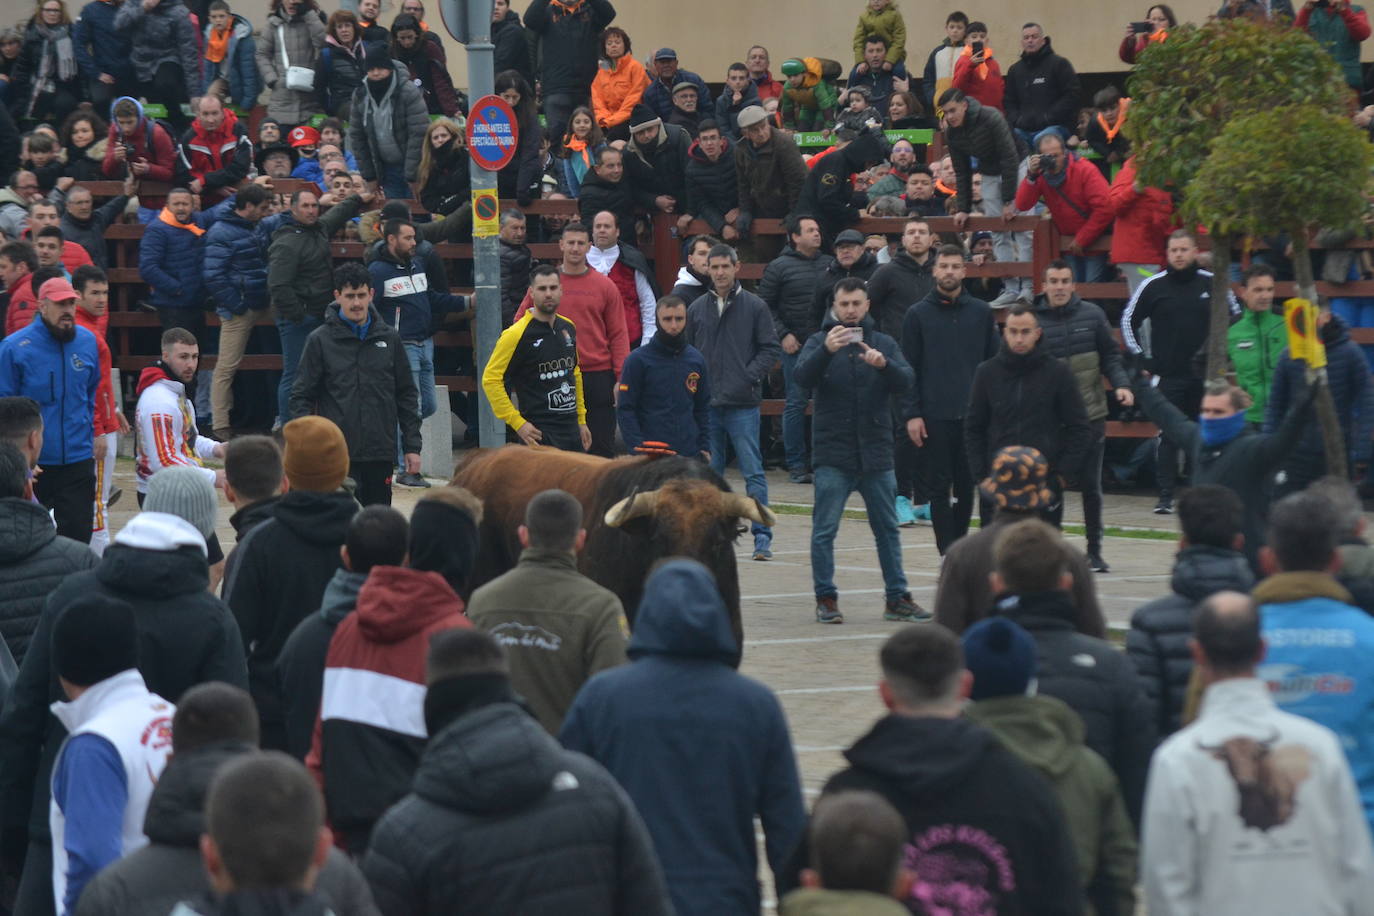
(617, 89)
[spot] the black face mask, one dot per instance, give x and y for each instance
(675, 343)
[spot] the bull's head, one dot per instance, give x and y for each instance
(645, 504)
(1266, 791)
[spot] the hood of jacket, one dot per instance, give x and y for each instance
(1335, 331)
(726, 149)
(1048, 609)
(25, 529)
(1022, 363)
(1287, 587)
(683, 615)
(158, 372)
(867, 149)
(154, 574)
(511, 18)
(9, 197)
(688, 277)
(317, 518)
(140, 126)
(176, 812)
(396, 603)
(341, 595)
(951, 747)
(1203, 571)
(253, 514)
(1043, 731)
(496, 758)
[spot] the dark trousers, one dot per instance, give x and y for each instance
(1186, 395)
(373, 481)
(169, 88)
(906, 458)
(598, 389)
(1300, 469)
(558, 109)
(950, 480)
(66, 489)
(34, 896)
(1090, 483)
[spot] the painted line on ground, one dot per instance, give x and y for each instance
(795, 690)
(794, 640)
(843, 593)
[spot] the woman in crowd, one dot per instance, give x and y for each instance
(288, 56)
(1161, 19)
(905, 112)
(443, 180)
(11, 43)
(341, 63)
(577, 152)
(619, 84)
(426, 61)
(520, 178)
(45, 84)
(83, 137)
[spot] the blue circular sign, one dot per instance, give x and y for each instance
(492, 133)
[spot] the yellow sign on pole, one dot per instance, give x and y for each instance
(1303, 340)
(486, 220)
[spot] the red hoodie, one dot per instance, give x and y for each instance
(105, 410)
(1144, 219)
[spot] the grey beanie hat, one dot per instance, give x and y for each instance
(187, 493)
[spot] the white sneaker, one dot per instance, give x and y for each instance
(1008, 298)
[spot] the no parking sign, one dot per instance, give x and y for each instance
(485, 221)
(492, 133)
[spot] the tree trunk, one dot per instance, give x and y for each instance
(1333, 441)
(1221, 309)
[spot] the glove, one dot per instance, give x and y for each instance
(743, 222)
(523, 199)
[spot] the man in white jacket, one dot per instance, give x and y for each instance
(166, 414)
(1251, 809)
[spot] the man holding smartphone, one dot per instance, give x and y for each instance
(853, 369)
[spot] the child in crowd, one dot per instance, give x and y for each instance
(1105, 134)
(881, 18)
(42, 159)
(809, 95)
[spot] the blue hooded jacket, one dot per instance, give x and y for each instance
(62, 378)
(172, 260)
(239, 64)
(699, 747)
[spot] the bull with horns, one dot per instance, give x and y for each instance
(637, 510)
(1266, 777)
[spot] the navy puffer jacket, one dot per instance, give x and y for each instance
(236, 263)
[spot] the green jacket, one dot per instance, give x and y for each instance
(888, 23)
(1255, 343)
(1048, 735)
(820, 902)
(1332, 31)
(300, 267)
(557, 626)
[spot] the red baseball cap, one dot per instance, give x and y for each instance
(56, 290)
(304, 136)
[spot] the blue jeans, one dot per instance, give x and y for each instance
(738, 427)
(1088, 268)
(293, 335)
(393, 182)
(879, 491)
(793, 415)
(420, 355)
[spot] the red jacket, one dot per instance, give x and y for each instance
(986, 89)
(768, 87)
(220, 160)
(24, 304)
(105, 409)
(160, 152)
(1143, 220)
(1078, 206)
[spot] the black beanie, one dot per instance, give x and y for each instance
(443, 539)
(378, 57)
(94, 638)
(396, 209)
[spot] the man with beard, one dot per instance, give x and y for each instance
(166, 416)
(903, 160)
(58, 365)
(664, 397)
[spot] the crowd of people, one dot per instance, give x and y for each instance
(333, 715)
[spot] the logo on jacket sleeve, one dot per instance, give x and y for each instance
(693, 379)
(78, 363)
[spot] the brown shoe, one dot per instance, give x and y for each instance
(222, 433)
(828, 610)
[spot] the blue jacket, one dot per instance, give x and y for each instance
(1317, 663)
(660, 97)
(62, 378)
(89, 786)
(239, 64)
(407, 287)
(97, 46)
(664, 397)
(1347, 374)
(669, 723)
(236, 263)
(172, 261)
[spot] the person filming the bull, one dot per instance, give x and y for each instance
(536, 359)
(853, 369)
(663, 397)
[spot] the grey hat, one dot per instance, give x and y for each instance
(665, 54)
(849, 237)
(185, 492)
(678, 87)
(751, 115)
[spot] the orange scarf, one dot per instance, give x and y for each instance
(1112, 130)
(948, 192)
(983, 67)
(1161, 35)
(217, 48)
(166, 217)
(562, 9)
(574, 145)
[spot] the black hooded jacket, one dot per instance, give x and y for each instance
(828, 196)
(712, 187)
(34, 560)
(1041, 91)
(983, 824)
(824, 296)
(896, 286)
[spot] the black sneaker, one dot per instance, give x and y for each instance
(801, 475)
(1096, 563)
(1165, 506)
(828, 610)
(905, 610)
(412, 480)
(114, 497)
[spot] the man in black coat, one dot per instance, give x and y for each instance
(712, 183)
(1041, 89)
(568, 38)
(1209, 560)
(608, 187)
(656, 159)
(500, 816)
(516, 263)
(828, 193)
(1024, 396)
(851, 260)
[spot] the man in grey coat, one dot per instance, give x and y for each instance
(388, 126)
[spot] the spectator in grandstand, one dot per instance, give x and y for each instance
(1339, 27)
(276, 161)
(667, 75)
(164, 53)
(939, 69)
(516, 263)
(342, 62)
(876, 72)
(520, 178)
(141, 147)
(902, 160)
(83, 139)
(769, 169)
(1160, 19)
(229, 54)
(712, 183)
(1042, 89)
(15, 202)
(739, 93)
(607, 187)
(46, 82)
(103, 55)
(442, 179)
(757, 61)
(388, 128)
(83, 224)
(40, 157)
(427, 65)
(618, 86)
(511, 40)
(1106, 135)
(1257, 340)
(1076, 194)
(656, 160)
(976, 72)
(578, 150)
(904, 112)
(1144, 219)
(216, 150)
(288, 57)
(568, 33)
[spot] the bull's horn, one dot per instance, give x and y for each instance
(631, 507)
(747, 507)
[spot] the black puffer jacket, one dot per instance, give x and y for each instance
(664, 163)
(1041, 91)
(944, 341)
(788, 285)
(516, 263)
(503, 820)
(568, 33)
(33, 561)
(621, 198)
(449, 184)
(712, 187)
(512, 47)
(896, 286)
(984, 136)
(1161, 630)
(824, 296)
(1078, 334)
(1095, 679)
(186, 636)
(152, 880)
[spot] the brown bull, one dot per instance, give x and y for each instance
(636, 511)
(1267, 779)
